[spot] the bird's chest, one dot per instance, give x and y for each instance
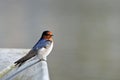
(46, 50)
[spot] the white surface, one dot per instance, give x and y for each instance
(6, 70)
(35, 72)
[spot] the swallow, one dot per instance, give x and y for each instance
(41, 49)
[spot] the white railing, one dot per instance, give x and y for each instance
(31, 70)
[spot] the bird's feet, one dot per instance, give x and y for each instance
(42, 59)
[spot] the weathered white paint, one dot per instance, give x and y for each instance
(6, 70)
(31, 70)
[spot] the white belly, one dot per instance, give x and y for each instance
(44, 52)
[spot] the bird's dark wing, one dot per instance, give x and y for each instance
(30, 54)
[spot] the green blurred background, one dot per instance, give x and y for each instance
(86, 35)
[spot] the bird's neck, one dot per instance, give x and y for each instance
(51, 39)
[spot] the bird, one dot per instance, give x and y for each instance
(41, 49)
